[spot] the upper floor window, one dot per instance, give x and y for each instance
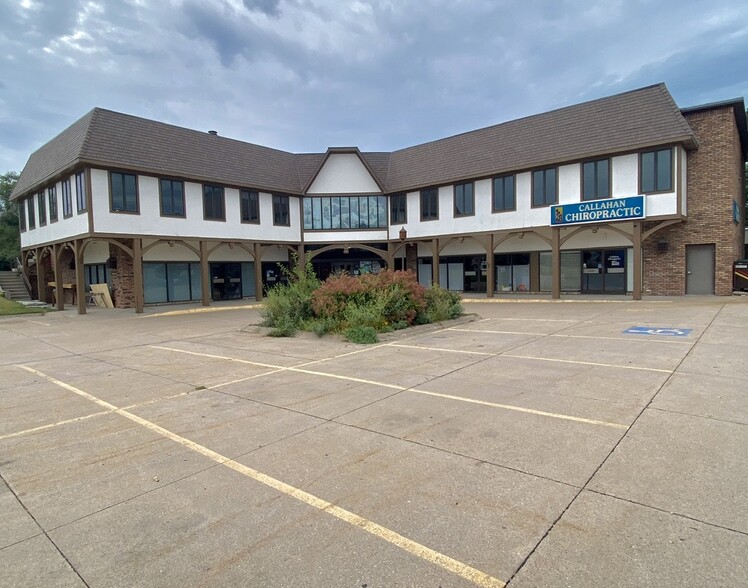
(280, 210)
(42, 205)
(503, 194)
(22, 215)
(656, 171)
(464, 199)
(596, 179)
(429, 204)
(123, 189)
(250, 206)
(32, 214)
(345, 212)
(80, 192)
(398, 209)
(172, 197)
(67, 200)
(213, 203)
(544, 187)
(52, 196)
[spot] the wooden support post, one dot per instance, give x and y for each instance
(41, 292)
(59, 291)
(490, 269)
(555, 263)
(435, 261)
(391, 256)
(137, 274)
(80, 276)
(301, 253)
(204, 274)
(637, 240)
(258, 271)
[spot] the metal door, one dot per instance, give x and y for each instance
(699, 269)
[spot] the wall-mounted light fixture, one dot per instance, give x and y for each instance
(403, 234)
(663, 246)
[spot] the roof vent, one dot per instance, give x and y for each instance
(212, 132)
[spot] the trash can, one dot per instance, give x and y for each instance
(740, 276)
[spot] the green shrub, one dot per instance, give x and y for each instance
(361, 334)
(441, 305)
(289, 306)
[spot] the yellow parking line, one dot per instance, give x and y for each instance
(555, 415)
(52, 425)
(497, 332)
(439, 349)
(612, 365)
(427, 554)
(200, 310)
(638, 339)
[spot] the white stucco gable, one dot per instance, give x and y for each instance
(343, 173)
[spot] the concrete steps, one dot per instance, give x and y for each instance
(13, 286)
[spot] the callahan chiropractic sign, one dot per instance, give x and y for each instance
(598, 211)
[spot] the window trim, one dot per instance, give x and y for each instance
(81, 189)
(69, 199)
(495, 210)
(52, 204)
(404, 196)
(137, 193)
(223, 203)
(455, 214)
(532, 187)
(436, 200)
(673, 155)
(282, 198)
(161, 198)
(22, 215)
(609, 159)
(41, 205)
(249, 208)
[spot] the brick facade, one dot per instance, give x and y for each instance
(715, 180)
(122, 286)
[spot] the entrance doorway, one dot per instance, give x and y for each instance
(604, 271)
(699, 269)
(226, 281)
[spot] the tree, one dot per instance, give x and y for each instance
(10, 244)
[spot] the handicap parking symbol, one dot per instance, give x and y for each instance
(661, 331)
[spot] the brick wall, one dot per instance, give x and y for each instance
(715, 173)
(123, 294)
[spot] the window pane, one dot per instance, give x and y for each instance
(345, 213)
(355, 221)
(664, 170)
(131, 194)
(154, 282)
(382, 211)
(509, 193)
(177, 198)
(538, 188)
(550, 186)
(603, 183)
(363, 212)
(335, 212)
(195, 282)
(317, 213)
(118, 195)
(308, 213)
(244, 206)
(648, 172)
(326, 213)
(589, 181)
(373, 212)
(178, 281)
(166, 208)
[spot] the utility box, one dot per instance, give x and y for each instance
(740, 275)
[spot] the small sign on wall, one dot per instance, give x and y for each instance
(735, 212)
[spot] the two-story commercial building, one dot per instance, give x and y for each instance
(628, 194)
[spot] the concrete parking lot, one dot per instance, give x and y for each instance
(528, 444)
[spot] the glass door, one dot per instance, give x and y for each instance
(604, 271)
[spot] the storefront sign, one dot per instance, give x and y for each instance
(598, 211)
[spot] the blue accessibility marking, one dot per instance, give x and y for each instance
(662, 331)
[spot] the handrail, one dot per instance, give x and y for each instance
(26, 281)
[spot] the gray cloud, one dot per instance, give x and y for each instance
(302, 75)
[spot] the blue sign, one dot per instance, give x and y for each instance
(598, 211)
(661, 331)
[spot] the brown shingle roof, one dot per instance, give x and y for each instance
(647, 116)
(627, 121)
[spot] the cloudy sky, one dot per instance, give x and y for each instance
(303, 75)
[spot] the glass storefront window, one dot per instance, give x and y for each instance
(345, 212)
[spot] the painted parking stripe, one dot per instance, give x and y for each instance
(496, 332)
(610, 365)
(439, 349)
(441, 560)
(666, 341)
(523, 409)
(407, 389)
